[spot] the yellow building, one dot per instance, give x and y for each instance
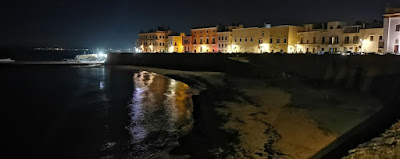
(204, 40)
(265, 40)
(153, 41)
(175, 43)
(339, 37)
(225, 39)
(244, 40)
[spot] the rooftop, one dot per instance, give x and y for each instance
(392, 10)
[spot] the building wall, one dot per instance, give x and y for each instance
(187, 43)
(337, 40)
(369, 44)
(153, 42)
(199, 40)
(175, 43)
(224, 42)
(391, 36)
(244, 40)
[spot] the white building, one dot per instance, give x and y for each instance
(392, 30)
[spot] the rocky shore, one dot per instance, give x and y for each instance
(385, 146)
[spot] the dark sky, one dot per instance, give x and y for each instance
(115, 23)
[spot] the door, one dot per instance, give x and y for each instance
(396, 49)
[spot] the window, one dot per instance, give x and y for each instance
(201, 41)
(346, 40)
(260, 41)
(313, 40)
(175, 43)
(160, 44)
(235, 40)
(194, 40)
(284, 40)
(278, 41)
(301, 41)
(207, 40)
(380, 37)
(213, 41)
(262, 34)
(271, 40)
(323, 40)
(240, 40)
(226, 37)
(219, 38)
(226, 45)
(356, 40)
(336, 40)
(398, 27)
(245, 39)
(251, 39)
(371, 38)
(207, 31)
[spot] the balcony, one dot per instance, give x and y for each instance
(352, 29)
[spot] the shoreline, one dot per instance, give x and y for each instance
(236, 119)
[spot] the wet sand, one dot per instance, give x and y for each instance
(278, 118)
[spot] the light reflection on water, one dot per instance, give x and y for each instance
(160, 111)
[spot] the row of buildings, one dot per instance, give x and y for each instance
(333, 36)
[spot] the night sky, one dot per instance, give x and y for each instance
(116, 23)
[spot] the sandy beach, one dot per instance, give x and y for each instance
(277, 118)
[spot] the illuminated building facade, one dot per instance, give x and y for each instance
(175, 43)
(265, 39)
(204, 40)
(392, 30)
(332, 36)
(340, 37)
(187, 45)
(225, 39)
(153, 41)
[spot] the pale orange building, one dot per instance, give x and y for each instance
(204, 40)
